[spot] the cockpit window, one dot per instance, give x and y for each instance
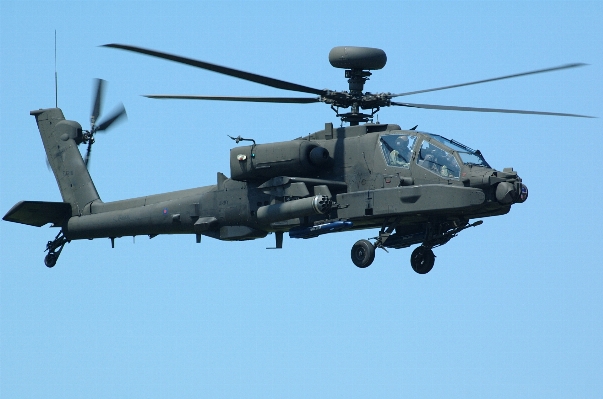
(468, 156)
(438, 161)
(397, 149)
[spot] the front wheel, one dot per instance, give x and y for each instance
(422, 260)
(363, 253)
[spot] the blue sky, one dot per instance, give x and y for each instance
(512, 308)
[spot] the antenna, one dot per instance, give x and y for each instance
(56, 79)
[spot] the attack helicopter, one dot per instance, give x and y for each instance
(414, 187)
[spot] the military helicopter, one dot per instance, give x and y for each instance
(414, 187)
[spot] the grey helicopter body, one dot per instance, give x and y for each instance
(415, 187)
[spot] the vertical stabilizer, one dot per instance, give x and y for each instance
(61, 138)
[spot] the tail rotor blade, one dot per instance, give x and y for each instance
(116, 115)
(88, 153)
(99, 86)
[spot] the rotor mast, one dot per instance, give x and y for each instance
(357, 78)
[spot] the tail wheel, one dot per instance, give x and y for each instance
(50, 260)
(422, 260)
(363, 253)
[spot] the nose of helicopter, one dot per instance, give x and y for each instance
(509, 193)
(523, 193)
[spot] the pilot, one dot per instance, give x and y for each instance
(430, 163)
(449, 168)
(400, 155)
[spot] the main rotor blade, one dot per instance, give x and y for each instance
(119, 113)
(97, 99)
(506, 111)
(290, 100)
(493, 79)
(252, 77)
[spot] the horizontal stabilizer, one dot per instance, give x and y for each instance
(39, 213)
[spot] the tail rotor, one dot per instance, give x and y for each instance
(117, 114)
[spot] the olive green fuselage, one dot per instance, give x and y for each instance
(346, 174)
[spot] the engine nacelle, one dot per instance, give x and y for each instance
(289, 158)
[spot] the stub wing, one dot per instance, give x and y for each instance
(39, 213)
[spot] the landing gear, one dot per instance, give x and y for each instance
(54, 249)
(363, 253)
(422, 259)
(429, 235)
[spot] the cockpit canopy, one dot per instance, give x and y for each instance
(468, 156)
(434, 153)
(397, 149)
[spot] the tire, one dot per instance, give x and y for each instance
(363, 253)
(422, 260)
(50, 260)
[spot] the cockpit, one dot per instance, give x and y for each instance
(397, 149)
(435, 153)
(438, 160)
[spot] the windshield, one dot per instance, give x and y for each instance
(438, 160)
(468, 156)
(397, 149)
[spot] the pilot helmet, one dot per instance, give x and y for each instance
(402, 141)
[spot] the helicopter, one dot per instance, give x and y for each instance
(414, 187)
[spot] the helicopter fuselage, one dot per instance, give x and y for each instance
(277, 185)
(416, 187)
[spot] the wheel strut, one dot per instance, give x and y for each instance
(54, 249)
